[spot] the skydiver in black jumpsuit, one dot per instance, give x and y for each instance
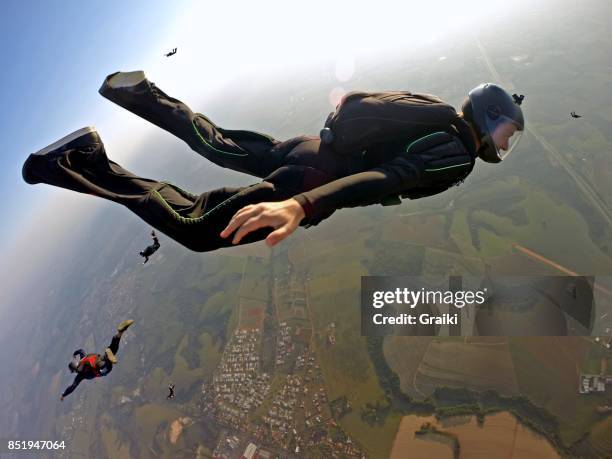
(304, 180)
(151, 249)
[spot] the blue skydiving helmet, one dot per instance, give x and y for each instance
(498, 118)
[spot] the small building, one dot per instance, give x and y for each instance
(249, 452)
(263, 454)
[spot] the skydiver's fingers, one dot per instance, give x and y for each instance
(236, 221)
(243, 210)
(233, 224)
(276, 236)
(247, 212)
(249, 226)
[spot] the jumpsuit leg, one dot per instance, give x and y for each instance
(194, 221)
(114, 347)
(243, 151)
(114, 344)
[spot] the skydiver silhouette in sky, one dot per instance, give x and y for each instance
(575, 116)
(171, 389)
(518, 100)
(151, 249)
(171, 53)
(90, 366)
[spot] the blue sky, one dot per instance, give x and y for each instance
(54, 59)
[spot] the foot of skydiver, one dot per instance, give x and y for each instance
(126, 79)
(132, 91)
(123, 326)
(79, 139)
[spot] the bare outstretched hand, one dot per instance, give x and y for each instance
(283, 216)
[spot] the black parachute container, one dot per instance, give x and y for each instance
(363, 119)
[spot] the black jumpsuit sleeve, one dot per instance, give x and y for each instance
(369, 187)
(75, 383)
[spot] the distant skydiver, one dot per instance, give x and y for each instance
(574, 115)
(90, 366)
(518, 100)
(171, 53)
(151, 249)
(171, 389)
(428, 149)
